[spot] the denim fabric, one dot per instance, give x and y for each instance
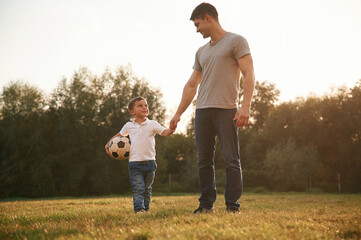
(141, 178)
(209, 123)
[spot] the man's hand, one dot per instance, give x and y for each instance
(174, 122)
(242, 116)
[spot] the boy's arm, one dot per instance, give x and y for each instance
(107, 145)
(167, 132)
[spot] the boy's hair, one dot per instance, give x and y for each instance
(202, 9)
(133, 101)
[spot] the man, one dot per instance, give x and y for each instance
(217, 69)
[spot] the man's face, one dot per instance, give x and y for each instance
(202, 26)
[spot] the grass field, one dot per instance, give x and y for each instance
(263, 216)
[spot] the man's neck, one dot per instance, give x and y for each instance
(218, 33)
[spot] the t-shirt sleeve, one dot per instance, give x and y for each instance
(197, 65)
(240, 47)
(124, 130)
(157, 128)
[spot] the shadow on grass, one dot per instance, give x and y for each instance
(63, 198)
(39, 233)
(127, 195)
(91, 197)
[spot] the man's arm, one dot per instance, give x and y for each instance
(246, 65)
(189, 91)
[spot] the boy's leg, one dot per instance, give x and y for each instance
(136, 175)
(205, 143)
(148, 181)
(227, 132)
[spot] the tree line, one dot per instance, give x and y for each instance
(53, 144)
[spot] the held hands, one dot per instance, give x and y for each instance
(242, 116)
(174, 122)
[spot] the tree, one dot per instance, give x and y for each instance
(277, 128)
(290, 166)
(89, 110)
(264, 99)
(22, 166)
(179, 163)
(353, 163)
(55, 146)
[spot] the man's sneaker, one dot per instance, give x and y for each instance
(140, 210)
(203, 210)
(233, 211)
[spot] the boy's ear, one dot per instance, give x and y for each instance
(131, 112)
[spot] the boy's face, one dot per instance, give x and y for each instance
(140, 109)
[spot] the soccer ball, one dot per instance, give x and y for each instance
(119, 148)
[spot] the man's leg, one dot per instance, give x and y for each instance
(205, 144)
(227, 132)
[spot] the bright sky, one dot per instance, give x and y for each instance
(303, 46)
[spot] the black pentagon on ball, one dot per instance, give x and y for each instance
(115, 154)
(121, 144)
(126, 154)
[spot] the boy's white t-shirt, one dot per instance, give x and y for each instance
(142, 142)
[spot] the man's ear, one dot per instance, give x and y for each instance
(207, 17)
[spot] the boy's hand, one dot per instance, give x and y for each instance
(107, 145)
(107, 149)
(167, 132)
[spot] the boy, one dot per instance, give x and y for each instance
(142, 165)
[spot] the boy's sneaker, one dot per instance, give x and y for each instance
(233, 211)
(204, 210)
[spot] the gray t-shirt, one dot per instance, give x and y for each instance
(217, 61)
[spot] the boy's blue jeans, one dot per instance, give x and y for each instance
(141, 178)
(209, 123)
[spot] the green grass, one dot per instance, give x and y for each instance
(263, 216)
